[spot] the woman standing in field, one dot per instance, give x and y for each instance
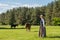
(42, 29)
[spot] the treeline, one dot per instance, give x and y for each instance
(22, 15)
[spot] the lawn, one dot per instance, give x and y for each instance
(20, 33)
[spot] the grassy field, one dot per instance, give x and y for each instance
(53, 33)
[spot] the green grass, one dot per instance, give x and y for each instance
(53, 33)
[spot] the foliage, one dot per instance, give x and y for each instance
(56, 21)
(23, 14)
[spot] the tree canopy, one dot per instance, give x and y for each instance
(21, 15)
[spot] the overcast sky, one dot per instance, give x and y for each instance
(9, 4)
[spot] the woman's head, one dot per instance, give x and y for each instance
(41, 16)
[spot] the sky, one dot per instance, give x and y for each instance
(10, 4)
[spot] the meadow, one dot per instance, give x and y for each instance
(20, 33)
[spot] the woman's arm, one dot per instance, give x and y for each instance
(43, 22)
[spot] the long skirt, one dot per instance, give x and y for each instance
(42, 32)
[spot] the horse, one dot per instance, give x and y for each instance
(14, 25)
(28, 26)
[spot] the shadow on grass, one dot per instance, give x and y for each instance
(53, 37)
(35, 31)
(12, 28)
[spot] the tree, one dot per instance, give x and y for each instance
(12, 20)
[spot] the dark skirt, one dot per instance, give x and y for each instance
(42, 31)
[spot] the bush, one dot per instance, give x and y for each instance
(56, 21)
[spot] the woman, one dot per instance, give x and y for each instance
(42, 29)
